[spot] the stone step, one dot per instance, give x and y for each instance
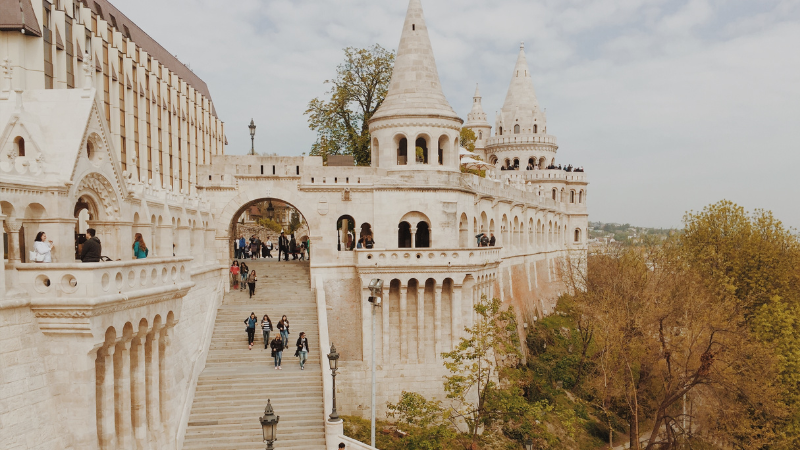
(236, 382)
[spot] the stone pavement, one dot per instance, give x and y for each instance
(233, 389)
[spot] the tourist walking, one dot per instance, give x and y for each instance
(42, 248)
(251, 328)
(268, 247)
(283, 247)
(236, 250)
(277, 351)
(293, 248)
(283, 327)
(140, 250)
(235, 275)
(266, 327)
(243, 271)
(242, 245)
(91, 248)
(251, 282)
(302, 349)
(254, 250)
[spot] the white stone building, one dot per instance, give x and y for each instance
(107, 355)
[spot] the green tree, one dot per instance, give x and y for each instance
(481, 398)
(467, 139)
(359, 88)
(428, 428)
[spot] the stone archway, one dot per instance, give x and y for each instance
(264, 219)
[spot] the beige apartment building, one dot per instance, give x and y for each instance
(159, 113)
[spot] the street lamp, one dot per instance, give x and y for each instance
(333, 360)
(376, 290)
(252, 137)
(270, 210)
(529, 445)
(269, 425)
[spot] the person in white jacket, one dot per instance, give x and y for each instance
(42, 248)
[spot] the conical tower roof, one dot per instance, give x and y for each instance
(521, 94)
(476, 117)
(415, 88)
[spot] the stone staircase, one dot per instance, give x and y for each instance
(233, 389)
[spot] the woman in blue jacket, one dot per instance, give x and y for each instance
(251, 328)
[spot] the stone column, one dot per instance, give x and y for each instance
(404, 322)
(108, 432)
(413, 238)
(123, 394)
(366, 324)
(2, 265)
(455, 316)
(437, 320)
(139, 391)
(13, 240)
(166, 386)
(165, 245)
(182, 247)
(386, 347)
(421, 322)
(153, 387)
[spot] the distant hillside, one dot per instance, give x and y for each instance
(605, 233)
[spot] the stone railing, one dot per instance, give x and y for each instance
(522, 139)
(65, 296)
(422, 257)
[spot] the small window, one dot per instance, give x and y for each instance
(516, 129)
(209, 178)
(19, 143)
(413, 27)
(501, 131)
(577, 235)
(535, 128)
(480, 134)
(273, 170)
(298, 170)
(262, 169)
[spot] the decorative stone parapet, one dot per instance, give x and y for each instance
(522, 139)
(419, 258)
(67, 297)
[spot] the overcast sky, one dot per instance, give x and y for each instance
(669, 105)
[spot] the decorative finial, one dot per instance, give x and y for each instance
(7, 72)
(87, 72)
(522, 45)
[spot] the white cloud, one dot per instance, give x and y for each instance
(670, 105)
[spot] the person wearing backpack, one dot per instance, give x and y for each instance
(251, 328)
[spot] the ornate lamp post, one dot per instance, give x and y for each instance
(333, 359)
(529, 445)
(269, 425)
(252, 137)
(270, 211)
(375, 290)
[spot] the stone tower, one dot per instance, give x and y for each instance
(415, 112)
(521, 127)
(476, 121)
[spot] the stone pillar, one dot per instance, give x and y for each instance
(108, 432)
(2, 265)
(404, 322)
(366, 324)
(166, 387)
(153, 387)
(13, 241)
(437, 320)
(123, 394)
(413, 238)
(139, 391)
(386, 346)
(421, 322)
(182, 246)
(165, 241)
(455, 316)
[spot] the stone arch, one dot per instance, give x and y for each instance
(504, 229)
(346, 232)
(404, 235)
(493, 160)
(580, 196)
(19, 146)
(516, 129)
(531, 233)
(444, 150)
(99, 188)
(484, 222)
(401, 144)
(424, 141)
(376, 153)
(415, 219)
(542, 163)
(577, 235)
(463, 231)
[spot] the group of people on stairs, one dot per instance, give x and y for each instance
(281, 340)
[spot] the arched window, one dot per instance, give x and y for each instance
(423, 236)
(516, 129)
(402, 152)
(422, 156)
(554, 193)
(577, 235)
(500, 130)
(346, 233)
(535, 128)
(516, 163)
(580, 196)
(480, 134)
(572, 196)
(493, 159)
(19, 145)
(404, 235)
(366, 231)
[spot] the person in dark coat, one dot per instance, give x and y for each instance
(277, 351)
(492, 240)
(302, 349)
(251, 328)
(91, 248)
(283, 247)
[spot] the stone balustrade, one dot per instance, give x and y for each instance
(518, 139)
(66, 296)
(427, 257)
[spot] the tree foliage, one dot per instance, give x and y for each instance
(426, 421)
(342, 121)
(467, 139)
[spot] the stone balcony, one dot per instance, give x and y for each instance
(68, 297)
(426, 258)
(522, 139)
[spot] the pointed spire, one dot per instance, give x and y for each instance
(415, 88)
(477, 92)
(521, 93)
(476, 117)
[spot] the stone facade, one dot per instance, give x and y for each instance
(108, 354)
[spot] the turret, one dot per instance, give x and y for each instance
(476, 121)
(415, 113)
